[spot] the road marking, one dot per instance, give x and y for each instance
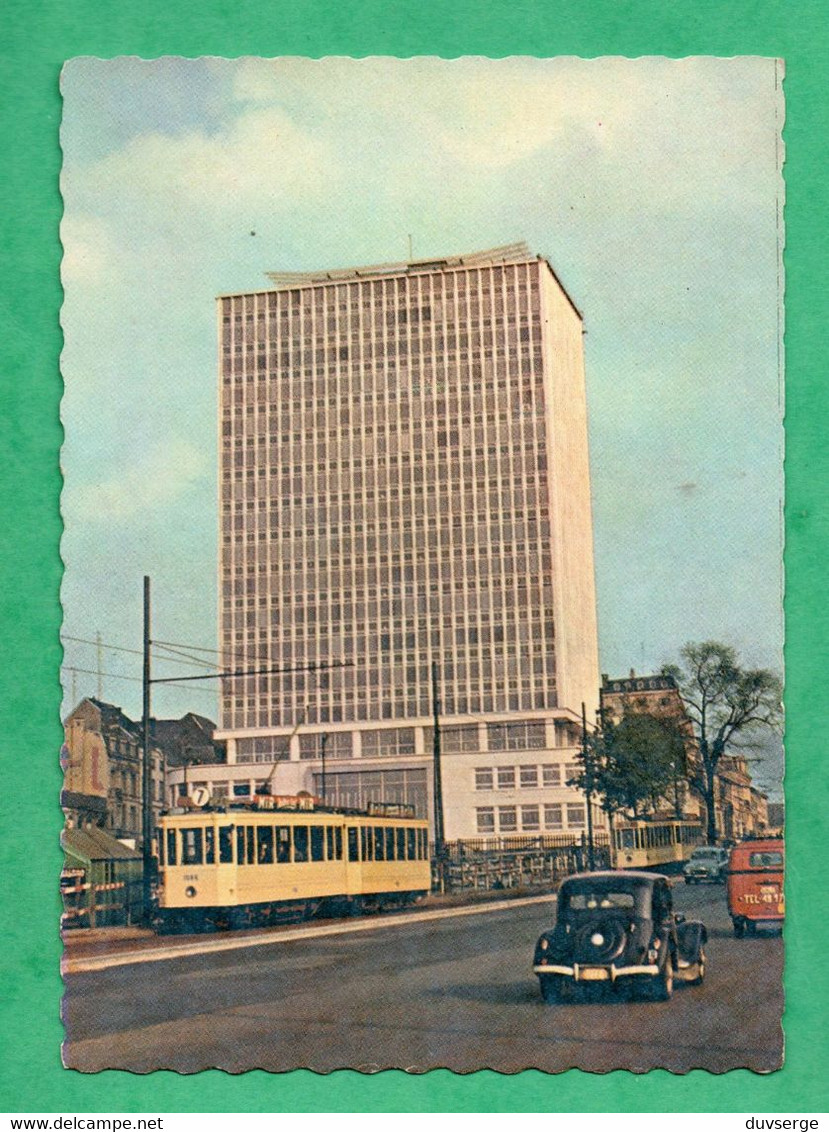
(207, 946)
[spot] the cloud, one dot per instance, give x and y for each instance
(169, 471)
(88, 250)
(261, 160)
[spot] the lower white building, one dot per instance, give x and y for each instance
(504, 777)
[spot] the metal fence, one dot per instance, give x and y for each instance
(515, 862)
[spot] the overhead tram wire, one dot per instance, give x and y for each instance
(135, 652)
(237, 657)
(134, 679)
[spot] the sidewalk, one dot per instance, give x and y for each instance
(82, 943)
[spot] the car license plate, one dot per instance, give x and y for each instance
(593, 974)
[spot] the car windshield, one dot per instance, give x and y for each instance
(706, 853)
(590, 901)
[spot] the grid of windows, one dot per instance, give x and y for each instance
(483, 778)
(486, 819)
(528, 776)
(356, 789)
(551, 774)
(262, 749)
(337, 745)
(523, 736)
(504, 777)
(529, 818)
(391, 432)
(453, 740)
(576, 815)
(552, 816)
(505, 819)
(388, 743)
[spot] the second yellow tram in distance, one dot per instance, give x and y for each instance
(649, 843)
(284, 858)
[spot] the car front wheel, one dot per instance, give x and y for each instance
(553, 988)
(700, 966)
(662, 986)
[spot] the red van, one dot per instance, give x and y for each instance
(755, 885)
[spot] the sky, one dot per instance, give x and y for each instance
(653, 186)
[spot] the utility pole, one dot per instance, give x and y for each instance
(438, 785)
(323, 741)
(146, 769)
(588, 782)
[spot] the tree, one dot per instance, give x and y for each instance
(723, 702)
(633, 762)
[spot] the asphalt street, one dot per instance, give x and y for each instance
(456, 992)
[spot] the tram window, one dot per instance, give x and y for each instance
(191, 847)
(367, 839)
(424, 845)
(283, 844)
(160, 849)
(338, 844)
(625, 839)
(210, 846)
(389, 844)
(240, 845)
(225, 845)
(251, 858)
(300, 842)
(379, 843)
(411, 849)
(171, 846)
(353, 843)
(329, 842)
(401, 844)
(264, 845)
(317, 843)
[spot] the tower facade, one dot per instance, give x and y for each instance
(404, 483)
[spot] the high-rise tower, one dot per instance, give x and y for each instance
(404, 480)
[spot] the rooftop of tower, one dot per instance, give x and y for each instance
(508, 253)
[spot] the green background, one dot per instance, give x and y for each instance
(38, 38)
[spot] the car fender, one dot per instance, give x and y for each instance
(691, 935)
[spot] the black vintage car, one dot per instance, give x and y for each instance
(618, 930)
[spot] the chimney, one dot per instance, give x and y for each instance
(632, 673)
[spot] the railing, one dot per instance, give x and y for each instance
(494, 863)
(88, 905)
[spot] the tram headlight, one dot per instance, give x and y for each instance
(190, 891)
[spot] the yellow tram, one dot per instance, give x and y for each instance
(646, 844)
(283, 858)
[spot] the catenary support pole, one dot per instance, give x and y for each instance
(588, 782)
(146, 770)
(438, 784)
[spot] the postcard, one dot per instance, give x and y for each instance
(423, 543)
